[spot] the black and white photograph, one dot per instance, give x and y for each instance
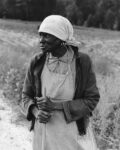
(59, 74)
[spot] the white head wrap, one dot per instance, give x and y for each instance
(60, 27)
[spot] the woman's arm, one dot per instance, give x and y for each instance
(27, 101)
(81, 107)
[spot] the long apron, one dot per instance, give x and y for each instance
(57, 134)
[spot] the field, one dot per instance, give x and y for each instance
(19, 42)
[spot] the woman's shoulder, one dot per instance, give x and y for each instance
(84, 57)
(35, 58)
(79, 54)
(84, 60)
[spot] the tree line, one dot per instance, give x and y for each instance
(89, 13)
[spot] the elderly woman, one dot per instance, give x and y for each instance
(60, 92)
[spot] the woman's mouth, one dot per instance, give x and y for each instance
(42, 46)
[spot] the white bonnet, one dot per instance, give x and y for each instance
(60, 27)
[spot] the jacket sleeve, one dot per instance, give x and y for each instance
(28, 94)
(82, 107)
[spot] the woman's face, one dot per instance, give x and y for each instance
(48, 42)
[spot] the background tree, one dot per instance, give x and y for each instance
(60, 7)
(117, 21)
(10, 7)
(109, 19)
(87, 7)
(73, 13)
(1, 8)
(90, 13)
(42, 8)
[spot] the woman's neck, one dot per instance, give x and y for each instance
(59, 52)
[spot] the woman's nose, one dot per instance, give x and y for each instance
(42, 39)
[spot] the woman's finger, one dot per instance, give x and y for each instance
(39, 99)
(44, 114)
(43, 121)
(44, 117)
(41, 103)
(42, 106)
(45, 108)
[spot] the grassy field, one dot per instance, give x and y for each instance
(19, 42)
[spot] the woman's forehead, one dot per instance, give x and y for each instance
(44, 33)
(47, 35)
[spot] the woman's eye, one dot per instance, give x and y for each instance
(47, 36)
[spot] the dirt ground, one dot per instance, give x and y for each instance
(12, 136)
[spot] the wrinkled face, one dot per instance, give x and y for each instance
(48, 42)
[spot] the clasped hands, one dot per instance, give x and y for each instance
(44, 109)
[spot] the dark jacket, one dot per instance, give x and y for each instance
(85, 98)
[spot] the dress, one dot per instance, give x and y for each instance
(57, 134)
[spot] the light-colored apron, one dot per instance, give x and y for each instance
(57, 134)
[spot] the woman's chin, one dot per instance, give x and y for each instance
(44, 49)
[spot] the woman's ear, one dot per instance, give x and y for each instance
(63, 44)
(38, 26)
